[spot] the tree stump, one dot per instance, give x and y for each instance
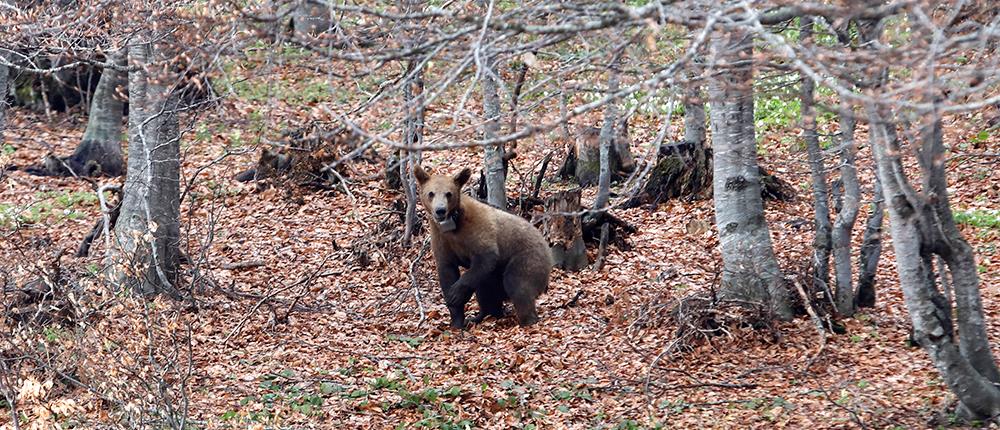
(565, 232)
(684, 169)
(583, 161)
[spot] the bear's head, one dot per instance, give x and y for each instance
(441, 194)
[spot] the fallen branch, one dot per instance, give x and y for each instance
(602, 249)
(242, 265)
(541, 175)
(817, 321)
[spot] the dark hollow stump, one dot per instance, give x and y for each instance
(774, 188)
(565, 232)
(684, 169)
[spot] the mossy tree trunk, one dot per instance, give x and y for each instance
(684, 168)
(101, 146)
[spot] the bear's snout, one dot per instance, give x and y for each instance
(439, 213)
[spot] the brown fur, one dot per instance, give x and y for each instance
(506, 258)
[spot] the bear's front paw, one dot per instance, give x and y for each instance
(453, 300)
(454, 296)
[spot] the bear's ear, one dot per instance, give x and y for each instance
(462, 177)
(421, 175)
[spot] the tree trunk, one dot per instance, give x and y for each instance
(694, 135)
(957, 254)
(101, 144)
(565, 232)
(871, 249)
(393, 180)
(4, 85)
(847, 215)
(608, 133)
(493, 157)
(750, 269)
(694, 117)
(967, 369)
(684, 168)
(147, 232)
(871, 246)
(821, 193)
(413, 130)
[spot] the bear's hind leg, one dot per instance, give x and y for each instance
(490, 297)
(523, 289)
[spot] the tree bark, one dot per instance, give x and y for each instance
(694, 117)
(913, 226)
(871, 248)
(493, 157)
(821, 193)
(4, 88)
(958, 255)
(565, 232)
(393, 180)
(101, 142)
(413, 130)
(148, 231)
(750, 269)
(847, 215)
(608, 133)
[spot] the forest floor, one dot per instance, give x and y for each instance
(317, 317)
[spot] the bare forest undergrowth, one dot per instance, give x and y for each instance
(312, 314)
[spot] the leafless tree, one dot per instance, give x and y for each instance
(750, 269)
(147, 233)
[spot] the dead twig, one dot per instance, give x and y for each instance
(817, 321)
(242, 265)
(413, 280)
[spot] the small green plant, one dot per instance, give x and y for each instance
(203, 133)
(52, 333)
(776, 111)
(979, 218)
(282, 391)
(980, 137)
(628, 425)
(413, 342)
(48, 207)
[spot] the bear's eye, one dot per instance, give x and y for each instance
(431, 195)
(447, 195)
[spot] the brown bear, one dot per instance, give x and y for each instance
(505, 257)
